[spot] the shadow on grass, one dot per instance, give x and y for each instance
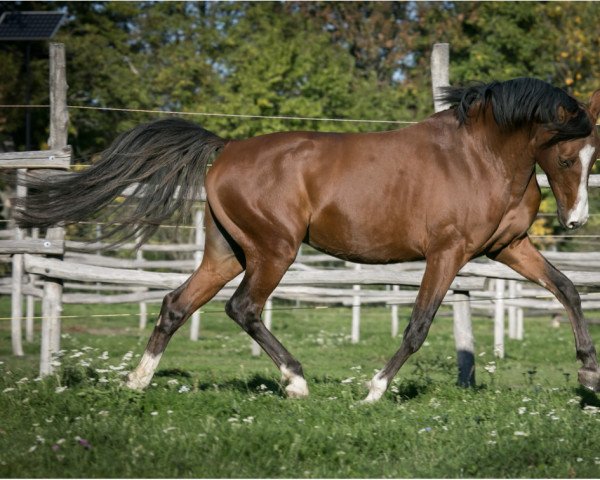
(588, 398)
(173, 372)
(254, 384)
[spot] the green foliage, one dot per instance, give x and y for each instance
(320, 59)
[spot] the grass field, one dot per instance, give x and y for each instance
(215, 411)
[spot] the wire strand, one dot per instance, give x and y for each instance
(492, 299)
(224, 115)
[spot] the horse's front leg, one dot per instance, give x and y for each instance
(525, 259)
(442, 267)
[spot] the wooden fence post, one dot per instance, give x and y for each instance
(512, 310)
(17, 285)
(198, 221)
(463, 328)
(59, 120)
(499, 318)
(440, 73)
(355, 330)
(139, 255)
(395, 322)
(29, 323)
(463, 338)
(519, 329)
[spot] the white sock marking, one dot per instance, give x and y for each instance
(296, 387)
(140, 378)
(579, 212)
(377, 387)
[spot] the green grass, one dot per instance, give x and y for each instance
(215, 411)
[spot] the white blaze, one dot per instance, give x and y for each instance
(579, 212)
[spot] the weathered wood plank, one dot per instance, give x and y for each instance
(55, 159)
(71, 271)
(85, 247)
(35, 246)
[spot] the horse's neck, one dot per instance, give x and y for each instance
(513, 149)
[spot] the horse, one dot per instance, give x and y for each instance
(458, 185)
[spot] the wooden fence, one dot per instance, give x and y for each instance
(43, 267)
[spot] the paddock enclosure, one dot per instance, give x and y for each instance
(58, 270)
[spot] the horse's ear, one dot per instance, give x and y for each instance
(594, 104)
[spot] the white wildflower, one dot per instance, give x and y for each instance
(184, 389)
(6, 390)
(59, 389)
(348, 380)
(490, 368)
(520, 434)
(522, 410)
(154, 414)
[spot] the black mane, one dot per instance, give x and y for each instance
(520, 101)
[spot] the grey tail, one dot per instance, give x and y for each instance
(165, 159)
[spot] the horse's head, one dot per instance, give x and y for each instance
(568, 165)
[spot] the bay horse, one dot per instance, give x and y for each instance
(458, 185)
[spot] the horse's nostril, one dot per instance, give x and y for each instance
(574, 225)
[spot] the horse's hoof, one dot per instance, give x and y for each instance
(590, 379)
(135, 383)
(377, 387)
(297, 388)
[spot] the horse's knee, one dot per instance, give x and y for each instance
(172, 315)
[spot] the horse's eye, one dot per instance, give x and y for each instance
(565, 163)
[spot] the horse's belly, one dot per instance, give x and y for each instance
(375, 242)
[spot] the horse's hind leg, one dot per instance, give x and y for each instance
(245, 307)
(219, 265)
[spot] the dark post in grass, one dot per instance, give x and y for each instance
(463, 329)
